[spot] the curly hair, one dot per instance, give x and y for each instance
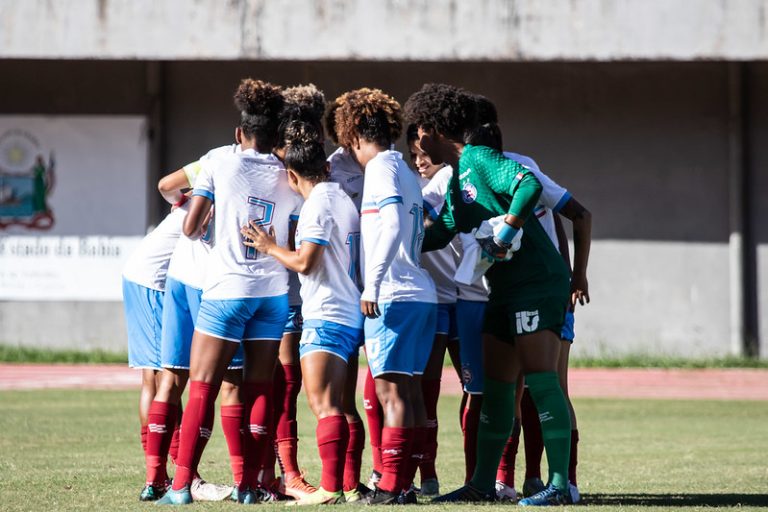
(329, 120)
(487, 131)
(304, 151)
(259, 104)
(449, 110)
(368, 114)
(305, 103)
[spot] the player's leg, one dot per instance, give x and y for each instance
(505, 474)
(353, 489)
(430, 387)
(374, 415)
(567, 336)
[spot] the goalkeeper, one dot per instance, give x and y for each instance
(529, 293)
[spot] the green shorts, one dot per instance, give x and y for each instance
(507, 321)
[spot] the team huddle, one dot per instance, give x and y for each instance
(278, 263)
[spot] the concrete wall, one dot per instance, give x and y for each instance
(643, 145)
(503, 30)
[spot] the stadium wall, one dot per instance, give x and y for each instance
(645, 146)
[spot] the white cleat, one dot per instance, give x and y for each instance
(204, 491)
(505, 492)
(575, 496)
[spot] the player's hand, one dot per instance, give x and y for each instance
(493, 248)
(369, 309)
(255, 236)
(579, 290)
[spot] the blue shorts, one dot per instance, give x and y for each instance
(567, 333)
(446, 320)
(337, 339)
(401, 339)
(244, 319)
(180, 309)
(144, 318)
(469, 321)
(295, 320)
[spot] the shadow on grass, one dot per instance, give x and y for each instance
(678, 500)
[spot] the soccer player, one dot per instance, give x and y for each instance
(245, 295)
(554, 200)
(326, 258)
(144, 279)
(441, 266)
(399, 299)
(528, 293)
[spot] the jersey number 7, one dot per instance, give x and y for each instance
(261, 212)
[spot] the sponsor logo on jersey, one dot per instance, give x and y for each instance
(527, 321)
(465, 173)
(26, 181)
(468, 193)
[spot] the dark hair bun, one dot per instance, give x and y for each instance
(299, 132)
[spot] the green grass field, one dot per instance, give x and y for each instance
(79, 450)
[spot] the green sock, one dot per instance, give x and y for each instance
(555, 424)
(496, 418)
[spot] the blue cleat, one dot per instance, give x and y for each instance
(152, 492)
(180, 497)
(551, 495)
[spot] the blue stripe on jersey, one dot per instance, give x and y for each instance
(294, 217)
(566, 197)
(430, 210)
(317, 241)
(390, 200)
(204, 193)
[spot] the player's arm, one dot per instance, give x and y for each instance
(173, 186)
(442, 229)
(582, 242)
(199, 214)
(381, 259)
(302, 261)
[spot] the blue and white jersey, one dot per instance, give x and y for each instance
(553, 196)
(330, 292)
(148, 265)
(246, 186)
(345, 171)
(441, 264)
(390, 183)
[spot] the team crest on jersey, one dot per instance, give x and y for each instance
(26, 181)
(466, 375)
(469, 193)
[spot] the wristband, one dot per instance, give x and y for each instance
(506, 233)
(181, 201)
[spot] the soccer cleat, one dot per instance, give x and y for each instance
(532, 486)
(320, 497)
(408, 497)
(180, 497)
(379, 497)
(374, 479)
(252, 496)
(505, 492)
(430, 487)
(549, 496)
(356, 495)
(574, 492)
(298, 488)
(465, 494)
(205, 491)
(152, 492)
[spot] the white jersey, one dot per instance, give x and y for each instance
(347, 173)
(441, 263)
(246, 186)
(148, 265)
(553, 196)
(389, 181)
(477, 291)
(331, 291)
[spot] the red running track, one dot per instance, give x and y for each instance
(710, 384)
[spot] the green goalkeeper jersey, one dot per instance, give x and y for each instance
(485, 185)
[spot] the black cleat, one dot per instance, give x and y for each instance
(466, 494)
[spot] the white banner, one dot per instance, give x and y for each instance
(63, 268)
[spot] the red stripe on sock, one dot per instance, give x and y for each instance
(354, 455)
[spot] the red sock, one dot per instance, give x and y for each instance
(160, 426)
(354, 458)
(173, 451)
(232, 419)
(257, 439)
(469, 427)
(395, 456)
(195, 431)
(144, 439)
(462, 406)
(286, 431)
(417, 455)
(431, 390)
(375, 416)
(332, 438)
(574, 456)
(532, 440)
(506, 470)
